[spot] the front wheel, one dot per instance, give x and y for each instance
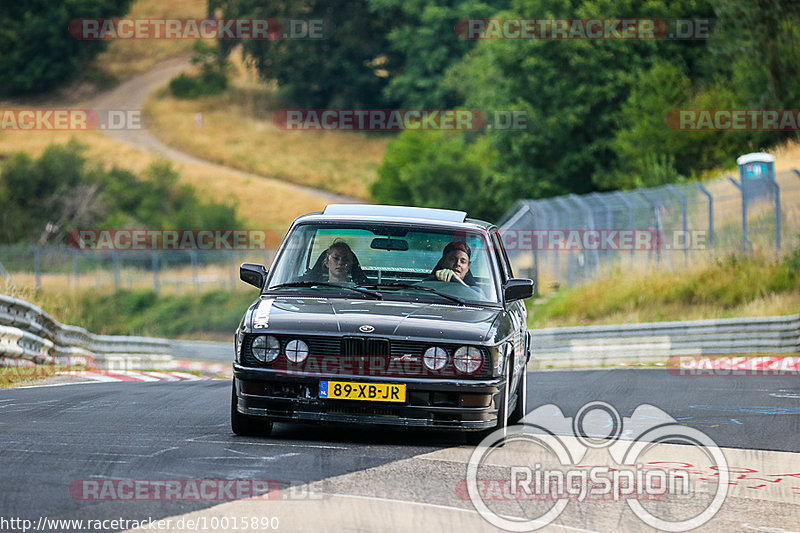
(244, 425)
(521, 406)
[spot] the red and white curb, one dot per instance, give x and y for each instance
(205, 367)
(130, 375)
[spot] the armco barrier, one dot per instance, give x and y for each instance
(655, 342)
(29, 335)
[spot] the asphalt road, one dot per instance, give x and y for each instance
(54, 438)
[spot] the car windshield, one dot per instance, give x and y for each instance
(395, 262)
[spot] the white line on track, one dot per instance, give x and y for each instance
(273, 444)
(446, 507)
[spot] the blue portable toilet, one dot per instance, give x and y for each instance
(757, 175)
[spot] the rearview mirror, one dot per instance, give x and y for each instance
(517, 289)
(253, 273)
(381, 243)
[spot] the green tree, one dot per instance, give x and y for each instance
(438, 169)
(572, 91)
(42, 199)
(38, 53)
(347, 68)
(427, 45)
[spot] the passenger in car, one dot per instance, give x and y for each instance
(454, 265)
(336, 264)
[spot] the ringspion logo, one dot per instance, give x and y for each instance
(546, 469)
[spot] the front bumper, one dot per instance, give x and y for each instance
(433, 403)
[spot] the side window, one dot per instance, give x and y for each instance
(502, 260)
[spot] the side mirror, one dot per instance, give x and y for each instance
(253, 273)
(517, 289)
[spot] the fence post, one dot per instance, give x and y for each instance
(232, 269)
(544, 207)
(609, 210)
(36, 269)
(658, 224)
(674, 190)
(710, 214)
(154, 263)
(777, 216)
(195, 280)
(75, 268)
(744, 213)
(592, 226)
(631, 224)
(115, 261)
(570, 267)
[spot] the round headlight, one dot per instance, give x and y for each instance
(265, 348)
(296, 351)
(435, 358)
(467, 359)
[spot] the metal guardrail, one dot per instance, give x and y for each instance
(29, 335)
(656, 342)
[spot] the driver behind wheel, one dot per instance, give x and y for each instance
(454, 265)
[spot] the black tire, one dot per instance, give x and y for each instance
(522, 404)
(247, 426)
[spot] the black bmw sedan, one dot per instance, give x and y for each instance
(383, 315)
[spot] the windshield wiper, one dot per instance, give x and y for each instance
(373, 294)
(401, 285)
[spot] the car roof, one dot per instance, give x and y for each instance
(398, 211)
(393, 213)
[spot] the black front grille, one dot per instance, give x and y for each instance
(377, 347)
(367, 356)
(365, 347)
(352, 346)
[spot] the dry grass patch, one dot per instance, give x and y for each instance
(237, 131)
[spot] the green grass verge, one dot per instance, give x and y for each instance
(730, 286)
(144, 313)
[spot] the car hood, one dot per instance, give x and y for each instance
(388, 318)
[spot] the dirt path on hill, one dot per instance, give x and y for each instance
(131, 95)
